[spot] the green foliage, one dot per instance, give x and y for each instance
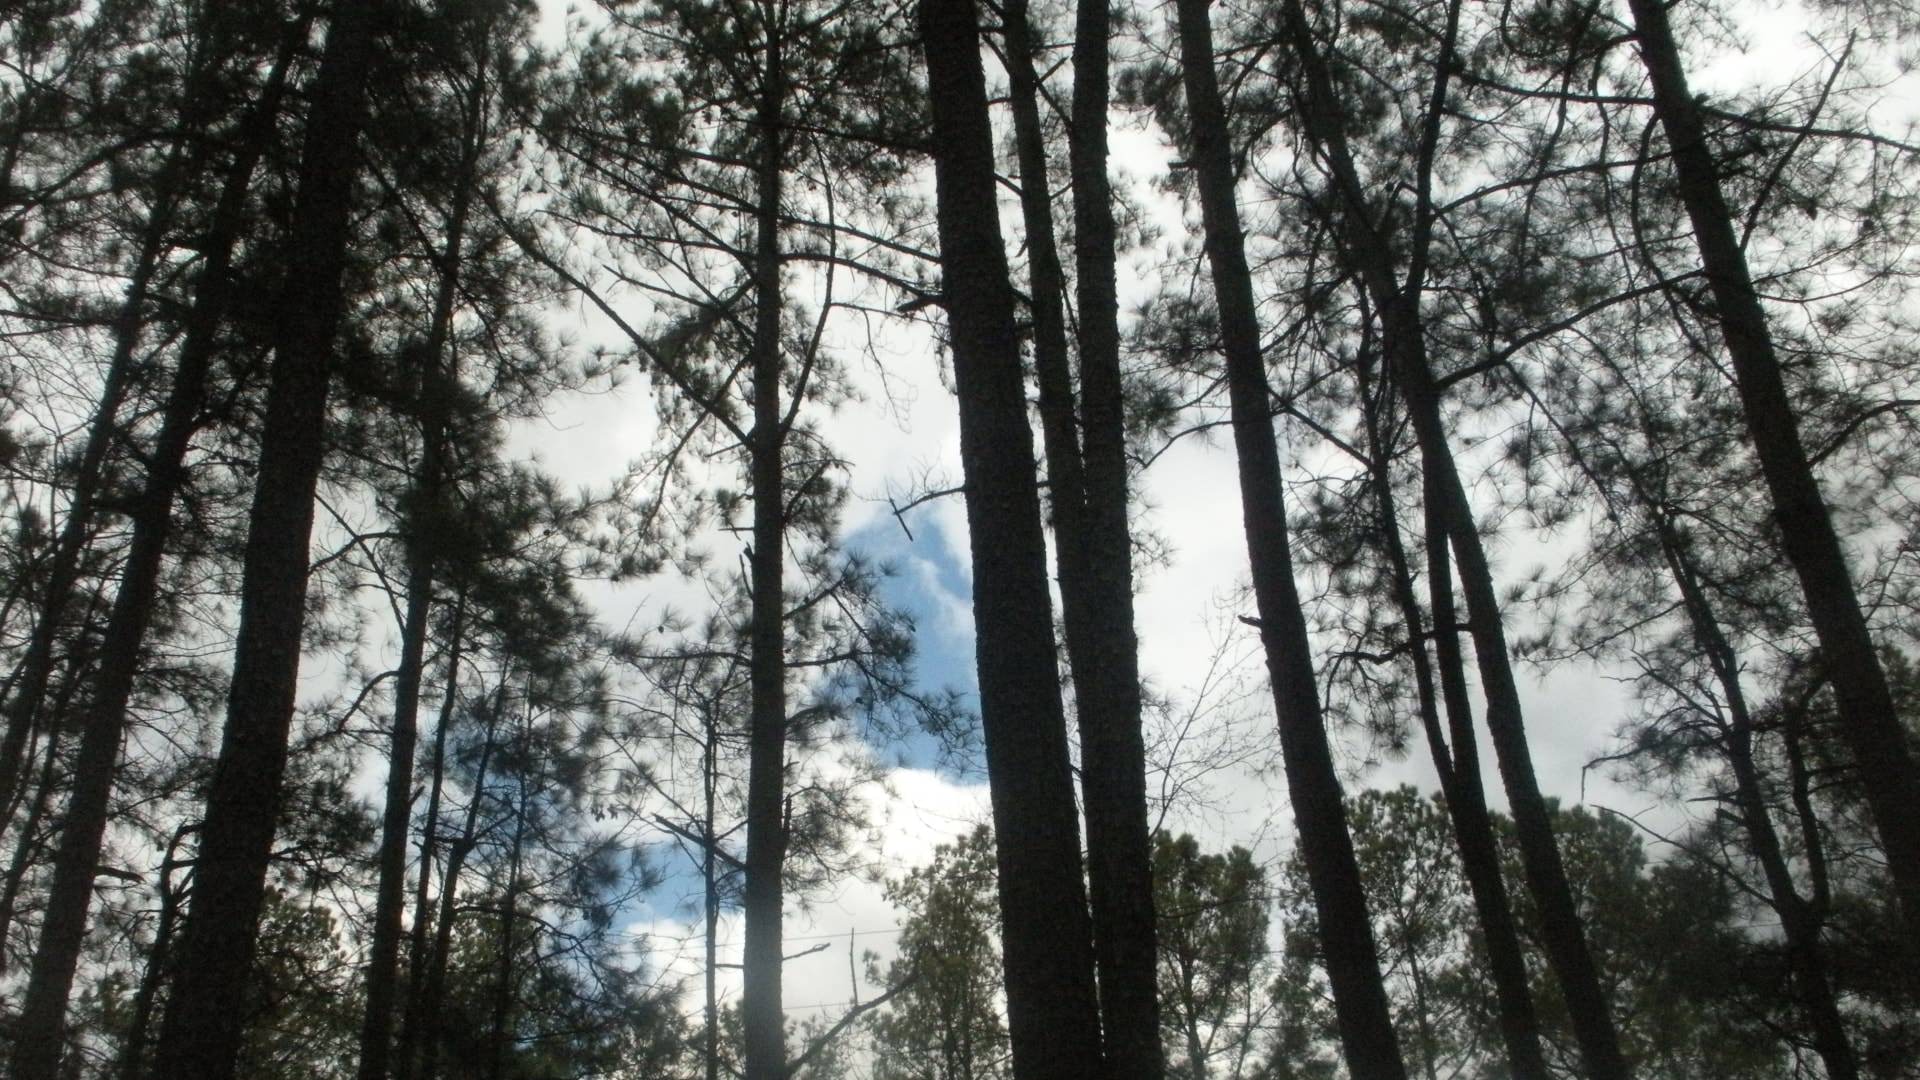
(946, 1024)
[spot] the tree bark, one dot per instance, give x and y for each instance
(1113, 750)
(405, 1049)
(761, 1009)
(1313, 787)
(1879, 743)
(1052, 1007)
(200, 1038)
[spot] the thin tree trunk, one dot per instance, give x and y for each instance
(438, 384)
(405, 1048)
(133, 1059)
(1800, 921)
(1405, 346)
(200, 1038)
(1872, 728)
(710, 892)
(1113, 750)
(1456, 760)
(432, 1025)
(28, 843)
(503, 992)
(761, 1010)
(1052, 1007)
(1313, 787)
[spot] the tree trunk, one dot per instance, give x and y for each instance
(1052, 1007)
(1456, 760)
(761, 1009)
(134, 1056)
(435, 994)
(1360, 998)
(28, 843)
(1093, 552)
(104, 724)
(1405, 347)
(503, 990)
(1800, 920)
(200, 1039)
(1113, 750)
(438, 385)
(1872, 728)
(405, 1048)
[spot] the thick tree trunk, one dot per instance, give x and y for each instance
(761, 1010)
(200, 1039)
(1456, 758)
(1313, 787)
(1052, 1006)
(438, 384)
(1881, 749)
(71, 892)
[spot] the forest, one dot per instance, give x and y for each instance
(959, 539)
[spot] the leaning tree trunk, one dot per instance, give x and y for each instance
(761, 1010)
(1313, 787)
(1405, 346)
(200, 1038)
(1455, 754)
(57, 955)
(1052, 1007)
(1800, 919)
(1872, 728)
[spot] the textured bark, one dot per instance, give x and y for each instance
(1052, 1006)
(1404, 342)
(1313, 787)
(1113, 751)
(70, 895)
(761, 1009)
(1874, 734)
(200, 1038)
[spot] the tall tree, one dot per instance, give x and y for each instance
(1313, 787)
(1872, 728)
(1396, 295)
(77, 861)
(1052, 1009)
(200, 1037)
